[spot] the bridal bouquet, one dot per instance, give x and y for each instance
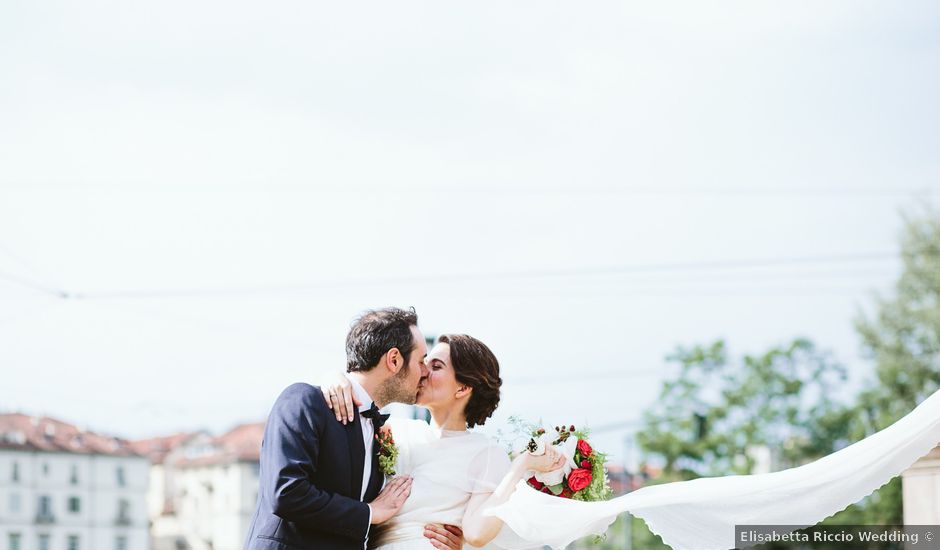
(583, 476)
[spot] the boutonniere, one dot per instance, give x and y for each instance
(388, 452)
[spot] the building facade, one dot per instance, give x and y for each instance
(203, 488)
(921, 488)
(62, 488)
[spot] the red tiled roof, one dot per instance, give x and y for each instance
(244, 440)
(156, 448)
(31, 433)
(621, 482)
(241, 443)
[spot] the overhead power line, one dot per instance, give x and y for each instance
(616, 426)
(809, 191)
(586, 376)
(484, 276)
(702, 267)
(35, 280)
(31, 284)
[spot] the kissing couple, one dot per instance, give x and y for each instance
(321, 481)
(334, 477)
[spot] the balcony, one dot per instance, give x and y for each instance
(44, 518)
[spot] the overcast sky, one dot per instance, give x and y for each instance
(223, 186)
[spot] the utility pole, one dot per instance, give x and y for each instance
(628, 477)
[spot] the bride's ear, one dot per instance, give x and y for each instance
(463, 391)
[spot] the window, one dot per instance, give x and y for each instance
(45, 506)
(44, 514)
(72, 542)
(120, 543)
(15, 539)
(43, 542)
(73, 479)
(124, 512)
(75, 505)
(45, 469)
(16, 471)
(15, 504)
(120, 476)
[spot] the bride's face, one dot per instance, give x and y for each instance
(439, 389)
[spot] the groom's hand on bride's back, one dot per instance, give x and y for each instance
(390, 500)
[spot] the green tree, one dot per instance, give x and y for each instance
(902, 337)
(717, 414)
(712, 413)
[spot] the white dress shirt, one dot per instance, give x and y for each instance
(368, 436)
(368, 431)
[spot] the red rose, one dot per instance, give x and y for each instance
(579, 479)
(586, 464)
(584, 448)
(535, 483)
(565, 493)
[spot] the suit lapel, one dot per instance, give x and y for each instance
(357, 456)
(377, 477)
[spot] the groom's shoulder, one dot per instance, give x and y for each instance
(302, 393)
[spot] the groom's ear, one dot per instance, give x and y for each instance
(394, 361)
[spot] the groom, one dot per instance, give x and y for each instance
(320, 483)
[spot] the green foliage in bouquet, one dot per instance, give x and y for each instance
(599, 489)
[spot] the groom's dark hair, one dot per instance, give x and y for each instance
(376, 332)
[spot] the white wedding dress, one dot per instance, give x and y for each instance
(448, 467)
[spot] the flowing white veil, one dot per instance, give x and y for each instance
(701, 514)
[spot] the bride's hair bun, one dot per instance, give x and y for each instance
(476, 366)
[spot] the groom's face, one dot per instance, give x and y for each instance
(411, 375)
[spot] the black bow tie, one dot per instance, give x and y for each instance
(378, 419)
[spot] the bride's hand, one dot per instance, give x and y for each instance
(340, 399)
(548, 462)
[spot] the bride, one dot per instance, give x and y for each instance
(456, 473)
(463, 478)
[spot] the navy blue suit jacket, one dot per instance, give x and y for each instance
(311, 478)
